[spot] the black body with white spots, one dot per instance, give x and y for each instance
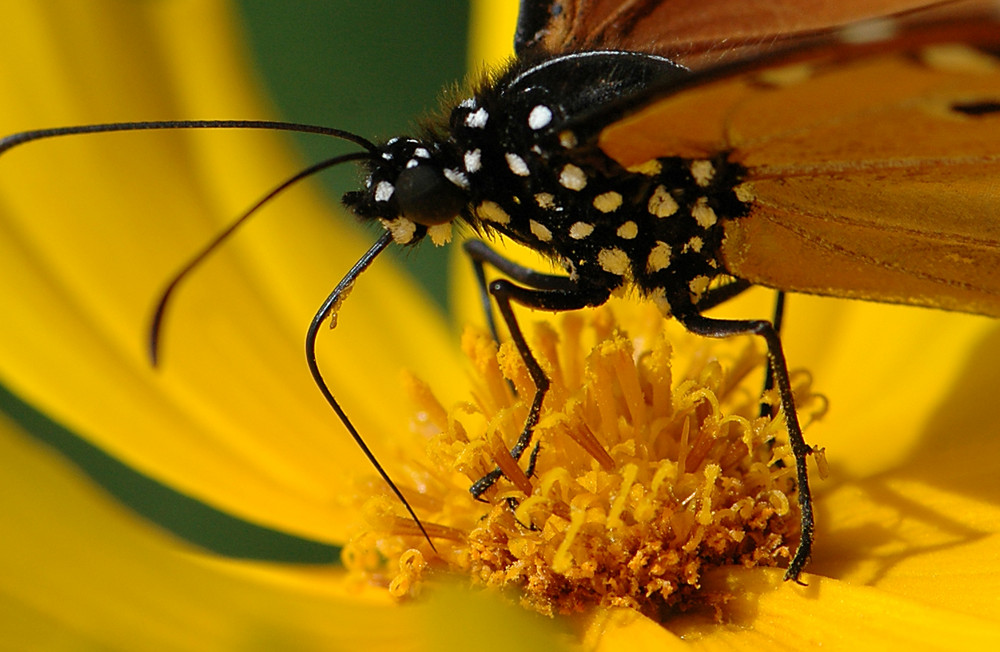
(519, 158)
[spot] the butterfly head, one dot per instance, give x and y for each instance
(412, 186)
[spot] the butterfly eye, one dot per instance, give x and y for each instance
(426, 197)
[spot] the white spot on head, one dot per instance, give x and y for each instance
(703, 213)
(421, 152)
(545, 200)
(477, 119)
(402, 229)
(383, 191)
(539, 117)
(608, 202)
(614, 261)
(393, 140)
(628, 230)
(702, 171)
(456, 177)
(659, 257)
(540, 231)
(572, 177)
(567, 139)
(580, 230)
(661, 203)
(473, 161)
(440, 233)
(517, 164)
(412, 163)
(387, 156)
(492, 212)
(468, 103)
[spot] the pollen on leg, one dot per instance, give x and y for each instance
(653, 467)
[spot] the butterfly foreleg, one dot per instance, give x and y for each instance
(540, 291)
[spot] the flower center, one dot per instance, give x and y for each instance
(653, 465)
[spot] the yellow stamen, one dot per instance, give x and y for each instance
(652, 468)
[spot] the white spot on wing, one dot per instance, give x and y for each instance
(545, 200)
(869, 31)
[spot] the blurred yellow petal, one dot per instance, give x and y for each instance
(109, 581)
(93, 227)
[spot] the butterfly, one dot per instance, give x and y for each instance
(858, 160)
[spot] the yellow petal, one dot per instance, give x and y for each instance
(79, 572)
(93, 226)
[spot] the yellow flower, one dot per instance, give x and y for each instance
(907, 548)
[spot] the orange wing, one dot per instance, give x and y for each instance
(692, 32)
(874, 167)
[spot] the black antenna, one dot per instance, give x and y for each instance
(156, 325)
(20, 138)
(329, 309)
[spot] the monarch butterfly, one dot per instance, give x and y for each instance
(596, 181)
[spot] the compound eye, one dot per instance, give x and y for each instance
(426, 197)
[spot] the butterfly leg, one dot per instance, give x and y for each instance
(701, 325)
(541, 292)
(481, 254)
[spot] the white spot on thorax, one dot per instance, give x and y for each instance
(567, 139)
(517, 164)
(456, 177)
(580, 230)
(545, 200)
(473, 161)
(492, 212)
(614, 261)
(477, 119)
(659, 257)
(628, 230)
(703, 213)
(539, 117)
(572, 177)
(540, 231)
(702, 171)
(421, 152)
(608, 202)
(661, 203)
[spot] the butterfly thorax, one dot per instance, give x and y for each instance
(519, 158)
